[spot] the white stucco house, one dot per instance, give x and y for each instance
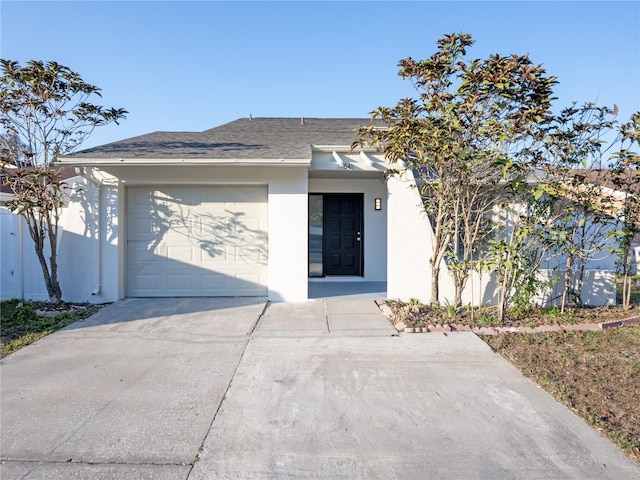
(256, 207)
(253, 207)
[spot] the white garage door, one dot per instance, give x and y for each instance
(196, 241)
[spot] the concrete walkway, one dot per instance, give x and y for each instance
(236, 388)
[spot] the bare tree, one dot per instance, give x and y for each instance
(626, 178)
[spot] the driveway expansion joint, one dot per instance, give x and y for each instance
(326, 315)
(248, 337)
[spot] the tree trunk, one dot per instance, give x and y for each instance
(50, 280)
(55, 292)
(626, 281)
(626, 301)
(50, 273)
(435, 263)
(580, 282)
(502, 298)
(457, 299)
(435, 286)
(567, 282)
(460, 283)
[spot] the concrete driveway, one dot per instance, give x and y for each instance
(236, 388)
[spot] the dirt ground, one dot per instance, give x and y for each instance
(596, 374)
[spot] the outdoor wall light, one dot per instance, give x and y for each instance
(378, 204)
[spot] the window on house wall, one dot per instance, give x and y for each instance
(315, 235)
(488, 219)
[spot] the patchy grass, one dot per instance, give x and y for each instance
(595, 374)
(22, 323)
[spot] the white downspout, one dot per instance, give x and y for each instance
(21, 246)
(98, 285)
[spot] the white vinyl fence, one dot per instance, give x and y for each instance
(21, 275)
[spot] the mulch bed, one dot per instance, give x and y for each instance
(412, 318)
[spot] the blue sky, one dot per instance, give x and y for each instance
(190, 66)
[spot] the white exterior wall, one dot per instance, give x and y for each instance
(409, 240)
(77, 252)
(88, 271)
(287, 210)
(21, 276)
(410, 246)
(599, 288)
(288, 238)
(635, 258)
(375, 222)
(398, 239)
(10, 258)
(83, 278)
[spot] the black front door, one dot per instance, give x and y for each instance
(343, 234)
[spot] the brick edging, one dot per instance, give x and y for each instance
(578, 327)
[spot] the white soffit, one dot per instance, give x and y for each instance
(326, 158)
(77, 161)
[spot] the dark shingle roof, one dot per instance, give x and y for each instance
(257, 138)
(628, 179)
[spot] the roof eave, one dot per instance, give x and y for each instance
(343, 148)
(251, 162)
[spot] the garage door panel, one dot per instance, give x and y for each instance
(146, 283)
(214, 282)
(180, 254)
(194, 241)
(216, 197)
(213, 254)
(138, 197)
(180, 282)
(249, 257)
(246, 281)
(141, 253)
(143, 227)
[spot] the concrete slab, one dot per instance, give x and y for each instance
(324, 317)
(422, 406)
(374, 324)
(139, 383)
(233, 316)
(346, 289)
(359, 307)
(357, 318)
(147, 387)
(293, 319)
(86, 471)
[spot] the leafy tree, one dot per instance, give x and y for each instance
(587, 216)
(45, 111)
(12, 149)
(522, 242)
(471, 127)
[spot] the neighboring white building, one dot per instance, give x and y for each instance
(251, 208)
